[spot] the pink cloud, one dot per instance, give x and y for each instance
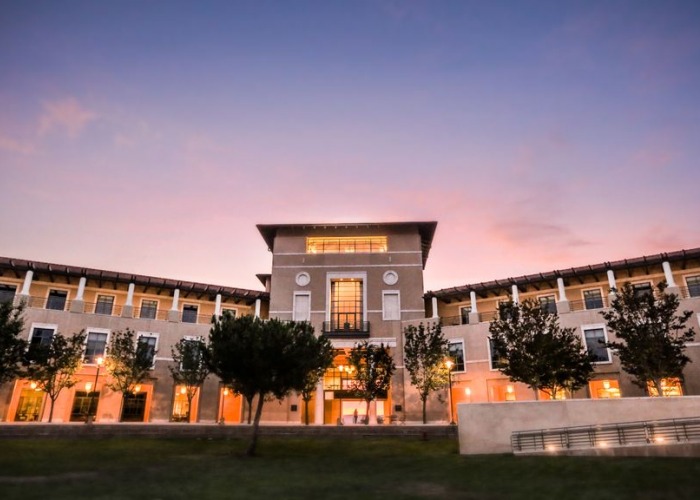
(67, 115)
(15, 146)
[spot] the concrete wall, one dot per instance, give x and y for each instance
(487, 428)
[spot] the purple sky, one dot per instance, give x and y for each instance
(151, 137)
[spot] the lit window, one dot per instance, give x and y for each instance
(501, 390)
(7, 293)
(456, 353)
(693, 283)
(669, 387)
(346, 304)
(189, 313)
(593, 299)
(149, 308)
(57, 300)
(604, 389)
(181, 406)
(104, 304)
(595, 344)
(464, 312)
(95, 347)
(363, 244)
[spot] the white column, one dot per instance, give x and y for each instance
(176, 298)
(81, 288)
(668, 274)
(257, 308)
(320, 403)
(474, 315)
(516, 296)
(27, 283)
(217, 305)
(435, 307)
(130, 295)
(562, 290)
(611, 279)
(77, 305)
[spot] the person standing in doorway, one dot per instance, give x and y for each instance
(354, 416)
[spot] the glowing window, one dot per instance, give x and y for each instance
(604, 389)
(669, 386)
(360, 244)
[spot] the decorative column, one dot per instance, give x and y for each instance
(668, 275)
(24, 294)
(174, 312)
(128, 310)
(217, 305)
(77, 305)
(435, 307)
(319, 404)
(516, 295)
(257, 308)
(474, 314)
(563, 304)
(612, 285)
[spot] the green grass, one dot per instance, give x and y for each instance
(289, 468)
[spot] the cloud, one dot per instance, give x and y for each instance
(15, 146)
(67, 115)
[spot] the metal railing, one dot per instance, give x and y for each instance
(641, 433)
(354, 330)
(588, 305)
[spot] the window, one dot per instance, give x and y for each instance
(593, 299)
(189, 313)
(134, 407)
(604, 389)
(302, 307)
(455, 350)
(181, 406)
(7, 293)
(496, 362)
(104, 305)
(346, 304)
(149, 344)
(464, 313)
(391, 306)
(40, 340)
(84, 404)
(359, 244)
(693, 283)
(548, 304)
(95, 347)
(57, 300)
(641, 289)
(192, 358)
(149, 308)
(232, 312)
(669, 386)
(595, 344)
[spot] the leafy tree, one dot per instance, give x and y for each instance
(653, 334)
(52, 365)
(12, 346)
(425, 350)
(535, 350)
(323, 362)
(373, 366)
(189, 367)
(129, 362)
(263, 359)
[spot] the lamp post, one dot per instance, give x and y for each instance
(224, 393)
(100, 360)
(449, 365)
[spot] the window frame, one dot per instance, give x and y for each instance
(464, 319)
(9, 285)
(490, 350)
(48, 295)
(147, 299)
(583, 298)
(182, 312)
(90, 330)
(687, 285)
(398, 304)
(634, 285)
(464, 355)
(553, 302)
(294, 306)
(597, 326)
(44, 326)
(155, 348)
(336, 276)
(97, 303)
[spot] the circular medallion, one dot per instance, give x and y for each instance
(303, 279)
(391, 277)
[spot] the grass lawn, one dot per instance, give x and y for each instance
(288, 468)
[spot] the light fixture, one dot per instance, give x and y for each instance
(183, 390)
(88, 386)
(341, 368)
(33, 385)
(226, 391)
(606, 384)
(509, 389)
(100, 360)
(468, 391)
(137, 388)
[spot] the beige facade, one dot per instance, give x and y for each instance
(353, 282)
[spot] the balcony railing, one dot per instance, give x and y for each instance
(354, 330)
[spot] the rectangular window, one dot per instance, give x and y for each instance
(189, 313)
(346, 304)
(149, 309)
(7, 293)
(57, 300)
(104, 304)
(302, 307)
(391, 306)
(192, 359)
(181, 407)
(693, 283)
(456, 353)
(84, 404)
(593, 299)
(548, 304)
(40, 340)
(355, 244)
(232, 312)
(595, 343)
(641, 289)
(95, 347)
(669, 386)
(464, 312)
(604, 389)
(149, 344)
(496, 362)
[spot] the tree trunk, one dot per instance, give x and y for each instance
(256, 425)
(425, 418)
(306, 411)
(537, 393)
(250, 407)
(189, 407)
(659, 390)
(367, 413)
(53, 400)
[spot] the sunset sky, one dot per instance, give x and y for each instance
(151, 137)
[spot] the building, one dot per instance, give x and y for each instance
(352, 282)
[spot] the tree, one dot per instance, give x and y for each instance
(263, 359)
(322, 363)
(129, 362)
(189, 368)
(12, 346)
(373, 367)
(653, 334)
(52, 365)
(535, 350)
(425, 351)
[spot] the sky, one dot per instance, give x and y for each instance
(151, 137)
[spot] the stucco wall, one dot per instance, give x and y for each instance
(486, 428)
